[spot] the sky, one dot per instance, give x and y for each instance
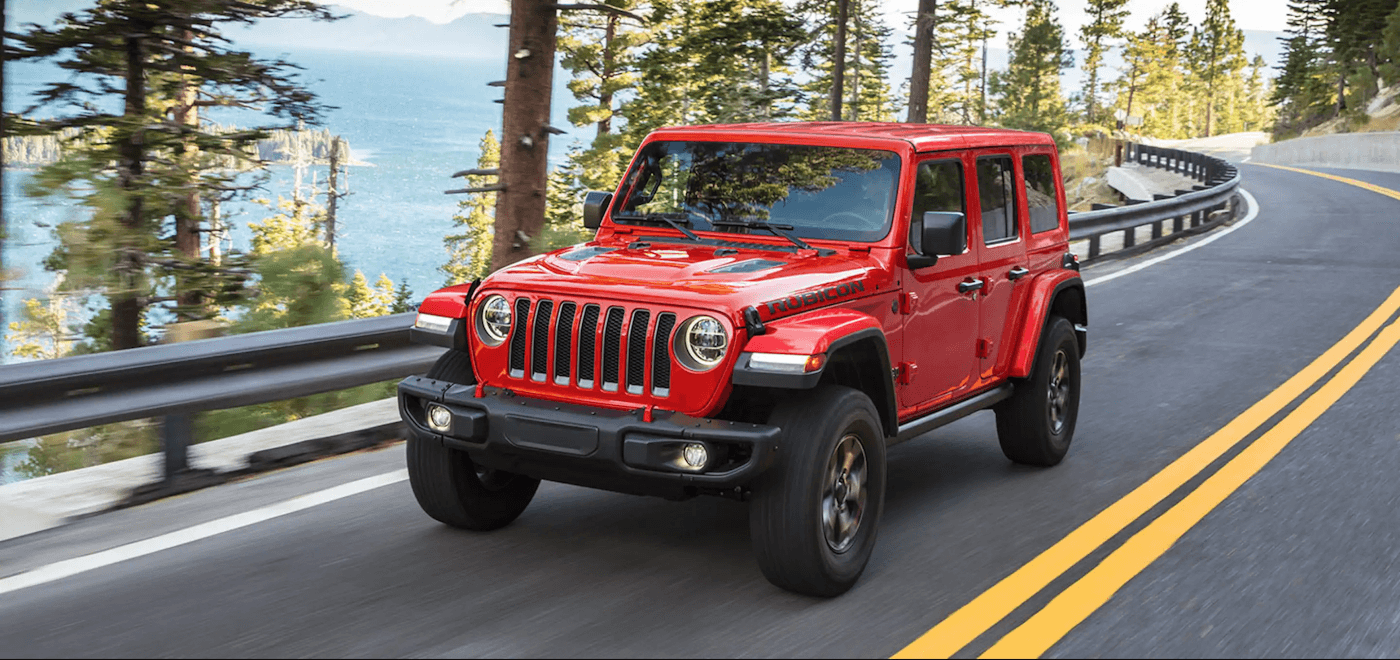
(1267, 15)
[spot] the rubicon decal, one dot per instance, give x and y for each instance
(797, 301)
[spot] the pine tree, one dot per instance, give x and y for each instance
(1106, 23)
(1216, 55)
(403, 298)
(1028, 92)
(1389, 50)
(134, 169)
(469, 249)
(600, 51)
(963, 36)
(866, 93)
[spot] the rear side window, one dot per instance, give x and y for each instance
(939, 187)
(996, 191)
(1040, 193)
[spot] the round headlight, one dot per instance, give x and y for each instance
(493, 320)
(703, 342)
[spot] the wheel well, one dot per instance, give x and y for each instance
(1069, 303)
(864, 365)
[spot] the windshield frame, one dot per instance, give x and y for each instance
(890, 156)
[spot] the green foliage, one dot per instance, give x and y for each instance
(1105, 23)
(469, 247)
(403, 299)
(43, 331)
(136, 171)
(71, 450)
(1028, 93)
(600, 50)
(868, 96)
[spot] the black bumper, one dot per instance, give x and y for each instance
(588, 446)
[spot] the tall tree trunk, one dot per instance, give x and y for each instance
(838, 60)
(1091, 88)
(187, 298)
(332, 193)
(855, 72)
(3, 225)
(216, 234)
(524, 141)
(982, 104)
(924, 23)
(766, 101)
(605, 96)
(126, 300)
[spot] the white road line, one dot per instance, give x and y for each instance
(1245, 159)
(1215, 236)
(71, 567)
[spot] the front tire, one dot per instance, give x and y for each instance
(449, 486)
(1036, 425)
(814, 515)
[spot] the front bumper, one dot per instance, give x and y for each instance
(589, 446)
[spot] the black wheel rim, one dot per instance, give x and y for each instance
(1057, 394)
(844, 493)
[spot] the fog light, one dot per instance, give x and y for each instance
(695, 455)
(439, 418)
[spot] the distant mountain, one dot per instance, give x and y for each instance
(470, 37)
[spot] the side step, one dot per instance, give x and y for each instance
(943, 416)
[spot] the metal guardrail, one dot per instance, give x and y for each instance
(176, 380)
(1187, 210)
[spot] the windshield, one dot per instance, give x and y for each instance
(821, 192)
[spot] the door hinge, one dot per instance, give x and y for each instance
(908, 302)
(984, 348)
(904, 373)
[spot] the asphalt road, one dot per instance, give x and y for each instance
(1299, 561)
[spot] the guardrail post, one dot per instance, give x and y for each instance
(1094, 246)
(176, 434)
(1129, 237)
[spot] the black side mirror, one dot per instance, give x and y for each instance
(937, 233)
(594, 204)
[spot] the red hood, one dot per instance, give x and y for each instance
(701, 276)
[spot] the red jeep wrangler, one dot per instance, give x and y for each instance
(765, 309)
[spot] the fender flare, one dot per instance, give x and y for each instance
(1045, 290)
(826, 332)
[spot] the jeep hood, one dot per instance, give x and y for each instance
(713, 277)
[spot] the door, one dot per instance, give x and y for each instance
(941, 325)
(1002, 257)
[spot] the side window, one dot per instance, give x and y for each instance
(996, 192)
(1040, 193)
(938, 187)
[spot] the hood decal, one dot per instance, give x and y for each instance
(826, 294)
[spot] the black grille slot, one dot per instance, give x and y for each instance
(563, 342)
(539, 340)
(637, 351)
(587, 337)
(661, 355)
(517, 337)
(612, 348)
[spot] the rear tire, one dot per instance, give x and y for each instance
(449, 486)
(814, 515)
(1036, 425)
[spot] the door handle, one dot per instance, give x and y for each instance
(972, 285)
(1017, 273)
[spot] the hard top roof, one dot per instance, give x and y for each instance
(924, 137)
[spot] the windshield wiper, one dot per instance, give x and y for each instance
(678, 221)
(756, 223)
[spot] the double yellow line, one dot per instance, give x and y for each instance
(1090, 592)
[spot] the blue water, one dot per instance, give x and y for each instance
(413, 119)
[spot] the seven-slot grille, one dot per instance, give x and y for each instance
(625, 361)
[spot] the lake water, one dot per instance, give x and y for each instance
(413, 119)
